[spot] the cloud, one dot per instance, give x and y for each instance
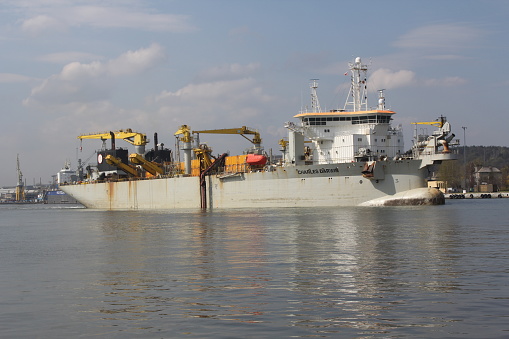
(46, 16)
(42, 23)
(387, 79)
(445, 82)
(66, 57)
(445, 57)
(136, 61)
(14, 78)
(95, 81)
(219, 101)
(229, 71)
(443, 37)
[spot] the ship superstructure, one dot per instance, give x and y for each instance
(354, 133)
(341, 157)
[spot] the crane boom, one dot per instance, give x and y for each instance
(112, 160)
(134, 138)
(139, 140)
(151, 167)
(257, 140)
(438, 123)
(433, 123)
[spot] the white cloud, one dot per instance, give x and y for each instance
(136, 61)
(221, 101)
(42, 23)
(66, 57)
(443, 37)
(387, 79)
(125, 17)
(230, 71)
(14, 78)
(445, 82)
(80, 82)
(50, 15)
(445, 57)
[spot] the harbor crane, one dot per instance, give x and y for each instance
(20, 188)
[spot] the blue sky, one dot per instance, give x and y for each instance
(73, 67)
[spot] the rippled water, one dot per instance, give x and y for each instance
(425, 272)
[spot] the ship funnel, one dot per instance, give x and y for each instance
(112, 141)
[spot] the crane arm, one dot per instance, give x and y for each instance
(149, 166)
(114, 161)
(438, 124)
(242, 131)
(134, 138)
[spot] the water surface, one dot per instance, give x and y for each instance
(366, 272)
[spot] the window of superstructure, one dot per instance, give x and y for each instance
(364, 119)
(383, 119)
(318, 121)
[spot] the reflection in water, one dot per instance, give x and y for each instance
(307, 271)
(425, 272)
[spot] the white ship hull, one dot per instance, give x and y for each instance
(294, 186)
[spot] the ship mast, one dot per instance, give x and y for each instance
(357, 99)
(315, 104)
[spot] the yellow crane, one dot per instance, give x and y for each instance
(20, 188)
(438, 123)
(203, 154)
(139, 140)
(150, 166)
(114, 161)
(186, 132)
(256, 140)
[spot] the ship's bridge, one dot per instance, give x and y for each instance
(344, 136)
(359, 117)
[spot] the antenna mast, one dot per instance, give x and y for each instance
(358, 96)
(315, 104)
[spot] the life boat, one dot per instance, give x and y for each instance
(256, 159)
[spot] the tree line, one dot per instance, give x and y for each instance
(460, 174)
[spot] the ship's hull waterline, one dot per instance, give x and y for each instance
(393, 183)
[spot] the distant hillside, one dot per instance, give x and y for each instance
(495, 156)
(458, 176)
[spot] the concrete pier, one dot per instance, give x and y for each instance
(477, 195)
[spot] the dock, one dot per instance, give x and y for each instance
(477, 195)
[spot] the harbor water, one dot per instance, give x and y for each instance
(356, 272)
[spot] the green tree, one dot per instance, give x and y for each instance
(451, 173)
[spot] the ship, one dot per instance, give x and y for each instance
(343, 157)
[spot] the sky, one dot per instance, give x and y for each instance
(79, 67)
